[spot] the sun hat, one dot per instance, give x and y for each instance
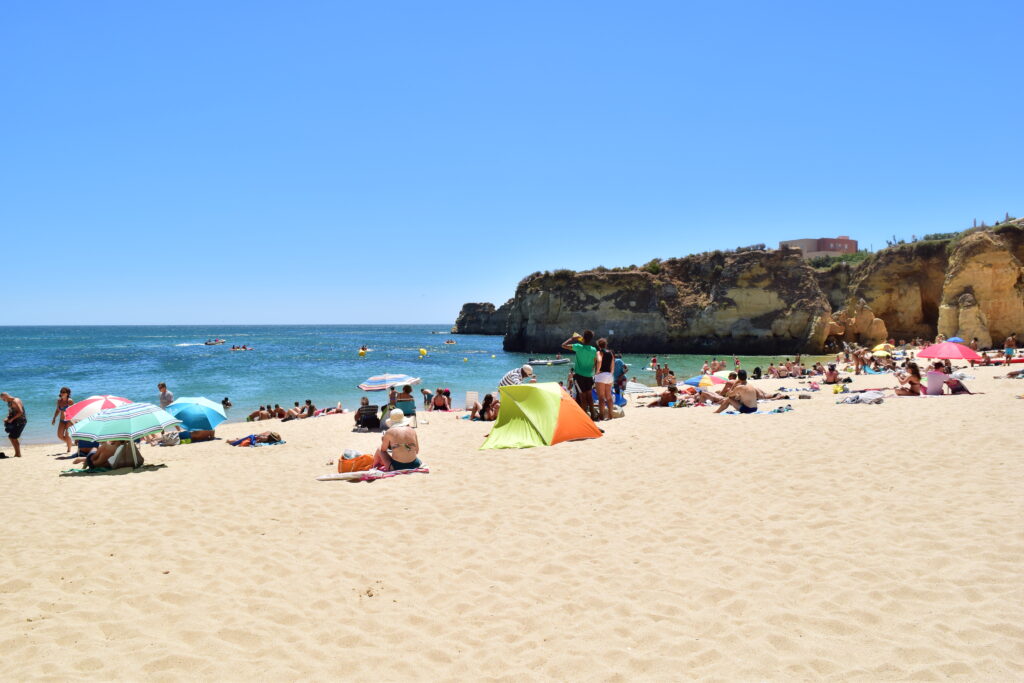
(396, 418)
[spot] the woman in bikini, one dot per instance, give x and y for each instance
(63, 403)
(440, 401)
(911, 380)
(399, 449)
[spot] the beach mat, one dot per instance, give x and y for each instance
(371, 475)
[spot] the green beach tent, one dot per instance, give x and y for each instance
(538, 415)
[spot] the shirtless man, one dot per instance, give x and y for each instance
(742, 397)
(1010, 347)
(15, 422)
(399, 448)
(667, 396)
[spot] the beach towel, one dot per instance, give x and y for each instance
(875, 372)
(371, 475)
(276, 443)
(776, 411)
(79, 472)
(869, 397)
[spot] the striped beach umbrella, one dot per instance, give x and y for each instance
(197, 412)
(381, 382)
(126, 423)
(88, 407)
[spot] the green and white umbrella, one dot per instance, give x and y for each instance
(124, 423)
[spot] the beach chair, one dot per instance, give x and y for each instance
(471, 398)
(408, 409)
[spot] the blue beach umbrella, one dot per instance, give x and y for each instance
(381, 382)
(197, 412)
(956, 340)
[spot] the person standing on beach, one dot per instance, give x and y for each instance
(166, 397)
(63, 403)
(1010, 347)
(586, 360)
(15, 423)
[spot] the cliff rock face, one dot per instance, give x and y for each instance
(756, 301)
(902, 286)
(482, 318)
(773, 302)
(983, 291)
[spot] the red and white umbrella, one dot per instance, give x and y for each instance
(88, 407)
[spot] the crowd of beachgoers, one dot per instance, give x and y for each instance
(598, 381)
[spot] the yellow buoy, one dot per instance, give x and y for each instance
(464, 360)
(493, 356)
(362, 354)
(423, 352)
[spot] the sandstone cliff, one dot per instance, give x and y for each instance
(482, 318)
(983, 291)
(754, 301)
(970, 285)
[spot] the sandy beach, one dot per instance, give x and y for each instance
(834, 542)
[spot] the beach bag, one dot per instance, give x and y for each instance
(170, 439)
(358, 463)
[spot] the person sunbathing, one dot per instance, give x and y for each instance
(399, 447)
(668, 396)
(264, 437)
(260, 414)
(486, 411)
(366, 415)
(831, 375)
(742, 396)
(910, 382)
(441, 401)
(111, 455)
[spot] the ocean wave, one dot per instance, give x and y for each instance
(191, 344)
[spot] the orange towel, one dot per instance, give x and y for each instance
(357, 464)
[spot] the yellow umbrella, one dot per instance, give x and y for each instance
(883, 347)
(880, 353)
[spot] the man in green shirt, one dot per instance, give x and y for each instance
(586, 362)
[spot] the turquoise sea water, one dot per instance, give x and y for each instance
(289, 363)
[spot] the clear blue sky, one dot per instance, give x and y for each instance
(262, 162)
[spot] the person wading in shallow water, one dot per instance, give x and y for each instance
(15, 423)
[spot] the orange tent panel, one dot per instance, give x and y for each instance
(573, 423)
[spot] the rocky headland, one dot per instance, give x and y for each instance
(762, 301)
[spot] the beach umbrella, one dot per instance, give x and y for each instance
(948, 351)
(881, 353)
(88, 407)
(125, 423)
(704, 381)
(197, 412)
(956, 340)
(883, 347)
(724, 374)
(381, 382)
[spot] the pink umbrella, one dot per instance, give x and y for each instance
(88, 407)
(949, 350)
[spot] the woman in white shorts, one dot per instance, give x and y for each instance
(604, 365)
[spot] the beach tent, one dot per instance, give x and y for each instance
(538, 415)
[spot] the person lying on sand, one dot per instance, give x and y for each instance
(111, 454)
(668, 396)
(264, 437)
(399, 447)
(742, 396)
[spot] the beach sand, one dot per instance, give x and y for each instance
(833, 542)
